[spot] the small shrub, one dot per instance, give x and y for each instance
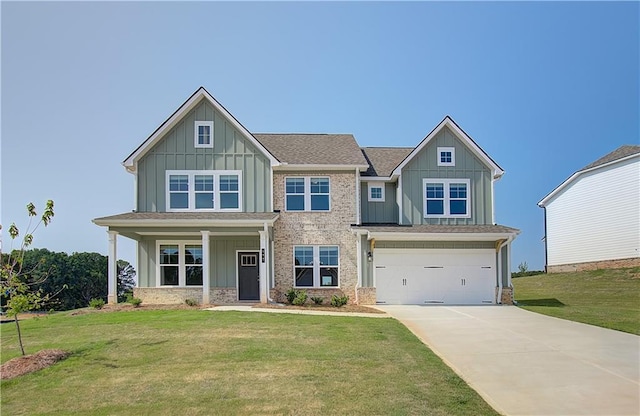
(317, 300)
(191, 302)
(134, 301)
(301, 299)
(96, 303)
(291, 294)
(339, 301)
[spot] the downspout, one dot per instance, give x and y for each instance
(499, 294)
(546, 254)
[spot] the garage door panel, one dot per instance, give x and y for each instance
(435, 276)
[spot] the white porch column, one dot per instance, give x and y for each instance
(206, 275)
(112, 276)
(264, 278)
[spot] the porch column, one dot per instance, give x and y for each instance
(112, 276)
(264, 278)
(205, 268)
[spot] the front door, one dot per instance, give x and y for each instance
(248, 276)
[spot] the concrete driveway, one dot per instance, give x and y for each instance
(523, 363)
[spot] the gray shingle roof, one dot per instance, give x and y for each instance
(383, 160)
(619, 153)
(313, 149)
(427, 228)
(191, 216)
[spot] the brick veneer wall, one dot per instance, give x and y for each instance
(167, 296)
(317, 228)
(595, 265)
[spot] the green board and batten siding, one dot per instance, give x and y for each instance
(425, 165)
(231, 151)
(379, 212)
(222, 252)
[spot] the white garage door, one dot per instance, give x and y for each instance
(432, 276)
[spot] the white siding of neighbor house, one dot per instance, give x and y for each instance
(596, 217)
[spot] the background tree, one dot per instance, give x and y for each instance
(15, 287)
(126, 279)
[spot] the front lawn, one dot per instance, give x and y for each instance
(192, 362)
(606, 298)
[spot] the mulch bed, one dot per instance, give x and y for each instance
(327, 308)
(29, 363)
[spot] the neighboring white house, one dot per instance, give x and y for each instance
(592, 220)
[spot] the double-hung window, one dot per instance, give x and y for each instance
(208, 190)
(307, 194)
(203, 134)
(444, 198)
(316, 266)
(179, 264)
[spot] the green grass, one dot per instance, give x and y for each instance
(606, 298)
(201, 362)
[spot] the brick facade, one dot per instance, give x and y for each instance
(317, 228)
(595, 265)
(166, 296)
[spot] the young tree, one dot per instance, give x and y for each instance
(15, 288)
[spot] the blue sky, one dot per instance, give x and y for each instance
(545, 88)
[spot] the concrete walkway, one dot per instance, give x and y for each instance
(523, 363)
(248, 308)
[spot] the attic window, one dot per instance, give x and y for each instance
(446, 156)
(376, 192)
(203, 134)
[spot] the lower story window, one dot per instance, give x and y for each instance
(180, 264)
(316, 266)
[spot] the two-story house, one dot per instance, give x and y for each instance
(225, 215)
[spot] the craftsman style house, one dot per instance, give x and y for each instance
(225, 215)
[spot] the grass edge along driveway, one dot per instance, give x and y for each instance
(200, 362)
(609, 298)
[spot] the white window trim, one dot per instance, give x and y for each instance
(197, 124)
(182, 266)
(371, 185)
(453, 156)
(307, 193)
(192, 192)
(316, 266)
(446, 183)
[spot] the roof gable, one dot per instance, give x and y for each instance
(199, 95)
(318, 150)
(622, 153)
(496, 170)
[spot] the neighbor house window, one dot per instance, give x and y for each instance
(179, 264)
(307, 194)
(446, 198)
(376, 192)
(316, 266)
(204, 190)
(203, 134)
(446, 156)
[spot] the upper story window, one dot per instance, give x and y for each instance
(446, 198)
(203, 134)
(204, 190)
(179, 264)
(446, 156)
(316, 266)
(307, 194)
(376, 192)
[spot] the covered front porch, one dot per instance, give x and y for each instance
(207, 257)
